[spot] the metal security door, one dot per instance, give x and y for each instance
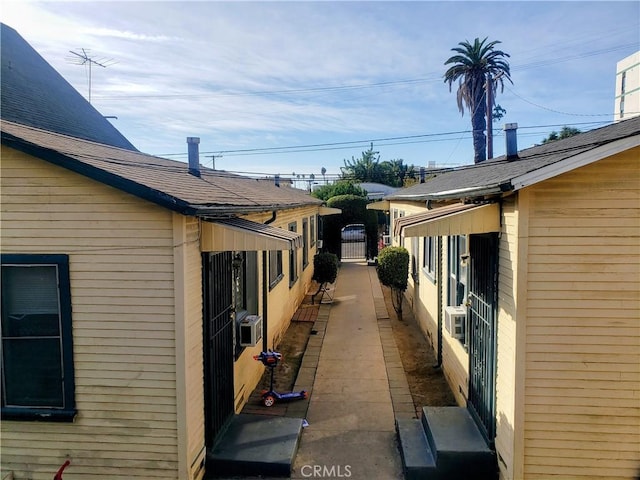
(483, 289)
(218, 350)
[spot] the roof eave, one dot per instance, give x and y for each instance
(461, 193)
(129, 186)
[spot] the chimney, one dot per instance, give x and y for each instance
(277, 179)
(511, 134)
(194, 156)
(421, 174)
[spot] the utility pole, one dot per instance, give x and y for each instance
(84, 59)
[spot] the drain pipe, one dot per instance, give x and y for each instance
(265, 291)
(440, 300)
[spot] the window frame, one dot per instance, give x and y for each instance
(293, 257)
(457, 247)
(276, 273)
(305, 243)
(312, 230)
(430, 257)
(68, 411)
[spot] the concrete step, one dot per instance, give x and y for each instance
(459, 449)
(417, 461)
(255, 445)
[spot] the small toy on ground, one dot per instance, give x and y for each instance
(269, 397)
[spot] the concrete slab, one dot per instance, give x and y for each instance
(351, 416)
(256, 445)
(371, 456)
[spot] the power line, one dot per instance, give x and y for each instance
(318, 147)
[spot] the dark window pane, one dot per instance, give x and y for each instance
(30, 301)
(32, 373)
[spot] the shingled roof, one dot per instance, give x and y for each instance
(44, 116)
(503, 175)
(165, 182)
(34, 94)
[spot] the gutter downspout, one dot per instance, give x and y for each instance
(440, 300)
(265, 291)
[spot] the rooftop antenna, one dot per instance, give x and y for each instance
(84, 59)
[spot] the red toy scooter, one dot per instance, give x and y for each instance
(271, 359)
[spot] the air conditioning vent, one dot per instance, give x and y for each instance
(250, 330)
(454, 321)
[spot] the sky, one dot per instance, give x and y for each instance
(292, 87)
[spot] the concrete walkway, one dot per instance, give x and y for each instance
(359, 386)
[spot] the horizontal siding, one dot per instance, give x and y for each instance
(121, 267)
(582, 389)
(506, 339)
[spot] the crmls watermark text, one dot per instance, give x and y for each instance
(326, 471)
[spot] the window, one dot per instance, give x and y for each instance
(246, 292)
(457, 261)
(275, 268)
(457, 285)
(293, 258)
(37, 347)
(415, 257)
(305, 243)
(312, 230)
(430, 259)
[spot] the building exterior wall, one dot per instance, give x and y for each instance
(189, 346)
(283, 301)
(507, 373)
(582, 385)
(627, 93)
(121, 261)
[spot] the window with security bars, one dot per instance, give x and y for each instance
(37, 356)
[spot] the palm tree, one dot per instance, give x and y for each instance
(477, 66)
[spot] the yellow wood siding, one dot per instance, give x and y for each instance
(582, 388)
(189, 346)
(283, 301)
(506, 371)
(122, 290)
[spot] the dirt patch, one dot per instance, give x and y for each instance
(292, 347)
(427, 384)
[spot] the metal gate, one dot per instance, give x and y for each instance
(353, 249)
(483, 290)
(218, 347)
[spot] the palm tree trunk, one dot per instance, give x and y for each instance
(478, 124)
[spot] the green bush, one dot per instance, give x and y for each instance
(393, 272)
(325, 267)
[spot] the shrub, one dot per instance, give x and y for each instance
(393, 272)
(325, 267)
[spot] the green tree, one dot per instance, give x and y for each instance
(365, 169)
(369, 168)
(566, 132)
(474, 67)
(341, 187)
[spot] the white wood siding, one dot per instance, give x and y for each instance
(582, 388)
(122, 292)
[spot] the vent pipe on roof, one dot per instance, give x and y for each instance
(511, 135)
(194, 155)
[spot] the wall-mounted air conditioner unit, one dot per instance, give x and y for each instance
(250, 330)
(454, 321)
